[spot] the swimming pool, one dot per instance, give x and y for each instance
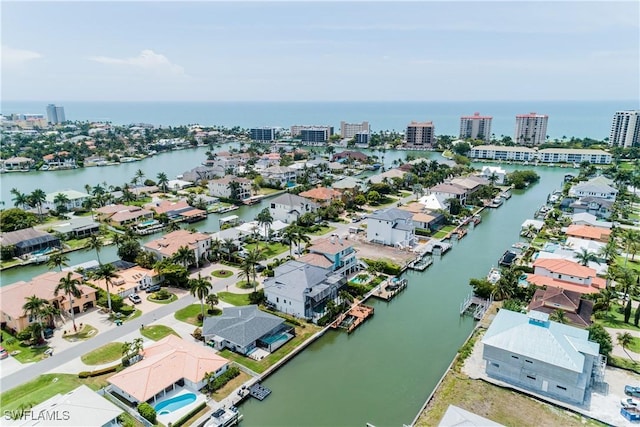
(275, 338)
(174, 403)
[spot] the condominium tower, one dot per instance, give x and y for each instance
(349, 130)
(531, 129)
(475, 127)
(421, 134)
(263, 134)
(625, 129)
(55, 114)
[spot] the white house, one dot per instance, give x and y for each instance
(169, 244)
(489, 171)
(74, 198)
(391, 227)
(596, 187)
(279, 175)
(222, 187)
(288, 207)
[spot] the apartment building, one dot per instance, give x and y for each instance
(475, 127)
(349, 130)
(531, 129)
(625, 129)
(421, 134)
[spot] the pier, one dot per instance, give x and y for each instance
(475, 305)
(389, 289)
(259, 391)
(353, 318)
(421, 264)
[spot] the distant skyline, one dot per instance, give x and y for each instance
(320, 51)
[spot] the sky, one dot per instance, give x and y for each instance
(320, 51)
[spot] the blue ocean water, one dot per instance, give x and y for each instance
(566, 118)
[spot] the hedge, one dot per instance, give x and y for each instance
(189, 415)
(147, 412)
(224, 378)
(98, 372)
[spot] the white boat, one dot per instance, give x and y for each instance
(493, 276)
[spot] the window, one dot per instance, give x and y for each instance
(494, 364)
(515, 357)
(561, 388)
(277, 299)
(528, 361)
(531, 377)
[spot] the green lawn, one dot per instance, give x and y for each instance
(615, 319)
(260, 366)
(135, 315)
(26, 353)
(76, 243)
(323, 230)
(85, 333)
(243, 284)
(157, 332)
(222, 273)
(633, 264)
(189, 314)
(267, 191)
(172, 298)
(105, 354)
(45, 387)
(234, 299)
(270, 250)
(444, 231)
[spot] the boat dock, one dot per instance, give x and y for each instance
(353, 318)
(389, 289)
(259, 391)
(475, 305)
(421, 263)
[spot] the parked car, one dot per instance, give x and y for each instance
(135, 298)
(3, 353)
(630, 390)
(48, 333)
(260, 268)
(153, 288)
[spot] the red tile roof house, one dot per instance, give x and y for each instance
(565, 274)
(168, 364)
(577, 310)
(321, 195)
(589, 232)
(168, 245)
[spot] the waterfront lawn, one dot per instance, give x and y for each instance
(189, 314)
(260, 366)
(444, 231)
(105, 354)
(268, 251)
(26, 353)
(9, 263)
(234, 299)
(614, 318)
(76, 243)
(322, 230)
(157, 332)
(46, 386)
(229, 387)
(267, 191)
(85, 333)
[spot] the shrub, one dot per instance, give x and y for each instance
(197, 334)
(98, 372)
(147, 412)
(186, 417)
(224, 378)
(162, 294)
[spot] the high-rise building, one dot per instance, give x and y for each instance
(296, 130)
(349, 130)
(531, 129)
(625, 129)
(263, 134)
(55, 114)
(314, 136)
(475, 127)
(421, 134)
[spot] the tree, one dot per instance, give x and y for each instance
(37, 198)
(60, 200)
(302, 238)
(69, 286)
(107, 272)
(625, 339)
(289, 235)
(200, 288)
(609, 251)
(58, 259)
(129, 250)
(265, 220)
(228, 246)
(234, 190)
(585, 257)
(598, 334)
(631, 240)
(185, 256)
(627, 311)
(212, 300)
(20, 200)
(636, 316)
(16, 219)
(95, 243)
(248, 266)
(33, 309)
(559, 316)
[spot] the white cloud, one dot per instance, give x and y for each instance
(147, 60)
(12, 57)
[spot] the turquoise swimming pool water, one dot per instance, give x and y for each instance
(175, 403)
(274, 338)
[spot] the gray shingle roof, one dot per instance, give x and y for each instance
(292, 200)
(241, 325)
(391, 214)
(294, 277)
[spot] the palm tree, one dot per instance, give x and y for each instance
(229, 246)
(559, 316)
(625, 339)
(631, 239)
(20, 199)
(58, 259)
(609, 251)
(585, 257)
(212, 300)
(173, 226)
(50, 312)
(107, 272)
(185, 256)
(69, 286)
(290, 234)
(37, 198)
(163, 182)
(95, 243)
(200, 288)
(302, 238)
(60, 201)
(34, 308)
(265, 220)
(216, 245)
(140, 175)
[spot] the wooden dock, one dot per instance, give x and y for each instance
(476, 306)
(421, 263)
(353, 318)
(389, 289)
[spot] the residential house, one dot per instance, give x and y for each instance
(352, 155)
(123, 214)
(431, 221)
(565, 274)
(435, 202)
(13, 297)
(601, 208)
(282, 176)
(349, 183)
(59, 160)
(596, 187)
(387, 176)
(458, 417)
(77, 227)
(245, 328)
(78, 407)
(551, 359)
(588, 232)
(288, 207)
(17, 163)
(302, 290)
(449, 191)
(167, 364)
(338, 251)
(203, 173)
(29, 240)
(177, 210)
(168, 245)
(74, 200)
(391, 227)
(494, 171)
(471, 183)
(223, 187)
(577, 309)
(130, 281)
(268, 160)
(322, 195)
(585, 218)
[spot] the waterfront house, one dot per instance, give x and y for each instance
(74, 200)
(565, 274)
(122, 214)
(349, 183)
(577, 309)
(494, 171)
(387, 176)
(470, 184)
(28, 240)
(222, 187)
(551, 359)
(597, 206)
(337, 251)
(596, 187)
(584, 218)
(203, 173)
(177, 210)
(167, 364)
(458, 417)
(449, 191)
(168, 245)
(352, 155)
(588, 232)
(281, 176)
(13, 297)
(243, 329)
(288, 207)
(78, 407)
(434, 202)
(428, 221)
(17, 164)
(322, 195)
(77, 227)
(130, 281)
(59, 160)
(391, 227)
(302, 290)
